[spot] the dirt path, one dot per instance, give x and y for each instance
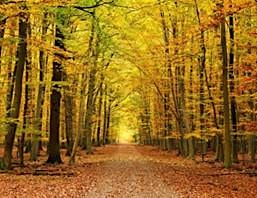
(127, 171)
(130, 174)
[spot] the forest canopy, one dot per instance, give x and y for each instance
(178, 74)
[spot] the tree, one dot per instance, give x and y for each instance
(16, 100)
(227, 135)
(54, 142)
(28, 104)
(91, 86)
(40, 93)
(233, 104)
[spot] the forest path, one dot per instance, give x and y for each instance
(129, 173)
(126, 171)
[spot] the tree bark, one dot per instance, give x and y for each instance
(108, 122)
(68, 103)
(90, 109)
(98, 134)
(40, 96)
(227, 135)
(16, 101)
(28, 105)
(233, 104)
(54, 142)
(2, 31)
(202, 60)
(105, 116)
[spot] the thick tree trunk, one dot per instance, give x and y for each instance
(54, 142)
(15, 107)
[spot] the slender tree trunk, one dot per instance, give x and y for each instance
(191, 146)
(90, 109)
(99, 122)
(10, 77)
(80, 122)
(105, 116)
(108, 122)
(227, 135)
(28, 105)
(15, 107)
(233, 104)
(170, 84)
(92, 73)
(74, 148)
(40, 96)
(202, 60)
(2, 31)
(68, 102)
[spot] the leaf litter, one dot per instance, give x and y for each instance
(127, 171)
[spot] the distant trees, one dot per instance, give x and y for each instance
(207, 113)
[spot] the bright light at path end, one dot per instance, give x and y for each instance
(125, 135)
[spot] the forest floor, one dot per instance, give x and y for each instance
(128, 171)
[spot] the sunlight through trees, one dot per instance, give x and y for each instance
(179, 75)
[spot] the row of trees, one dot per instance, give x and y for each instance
(184, 69)
(54, 56)
(203, 78)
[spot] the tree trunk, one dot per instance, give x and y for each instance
(202, 59)
(167, 99)
(90, 109)
(91, 86)
(2, 31)
(15, 107)
(11, 76)
(105, 116)
(191, 140)
(108, 122)
(28, 105)
(227, 135)
(40, 96)
(68, 102)
(54, 142)
(219, 155)
(252, 147)
(233, 104)
(80, 122)
(98, 133)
